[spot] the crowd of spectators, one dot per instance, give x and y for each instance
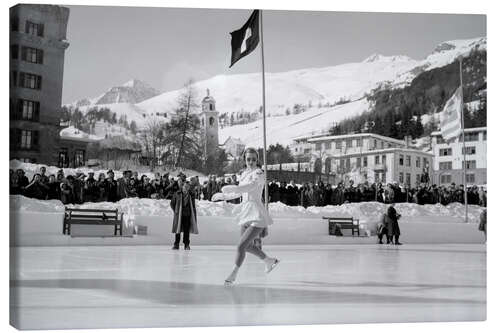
(82, 188)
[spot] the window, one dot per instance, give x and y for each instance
(382, 144)
(384, 159)
(484, 136)
(349, 143)
(470, 178)
(14, 51)
(348, 164)
(470, 164)
(318, 146)
(383, 177)
(445, 179)
(401, 178)
(445, 152)
(417, 162)
(377, 159)
(365, 161)
(408, 178)
(341, 166)
(401, 160)
(377, 177)
(14, 23)
(79, 158)
(417, 180)
(211, 121)
(375, 143)
(358, 162)
(211, 107)
(471, 137)
(28, 110)
(34, 29)
(338, 144)
(29, 139)
(445, 165)
(328, 145)
(408, 161)
(359, 143)
(32, 55)
(13, 81)
(63, 158)
(31, 81)
(469, 150)
(425, 161)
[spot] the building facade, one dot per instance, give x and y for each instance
(234, 147)
(37, 47)
(449, 158)
(365, 157)
(209, 119)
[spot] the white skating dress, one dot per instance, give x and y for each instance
(251, 211)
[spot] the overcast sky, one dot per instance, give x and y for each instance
(165, 47)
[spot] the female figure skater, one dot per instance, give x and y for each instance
(253, 216)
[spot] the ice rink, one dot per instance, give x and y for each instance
(154, 286)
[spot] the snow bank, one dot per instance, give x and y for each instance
(366, 212)
(39, 223)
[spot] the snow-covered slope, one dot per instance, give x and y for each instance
(242, 92)
(283, 129)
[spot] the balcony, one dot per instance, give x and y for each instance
(380, 166)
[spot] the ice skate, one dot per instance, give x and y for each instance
(270, 264)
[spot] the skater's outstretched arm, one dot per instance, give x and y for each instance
(257, 180)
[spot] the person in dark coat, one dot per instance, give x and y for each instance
(36, 189)
(292, 194)
(482, 223)
(391, 220)
(184, 206)
(111, 187)
(54, 191)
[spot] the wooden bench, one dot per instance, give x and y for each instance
(343, 222)
(92, 217)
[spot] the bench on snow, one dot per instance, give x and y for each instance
(343, 223)
(92, 217)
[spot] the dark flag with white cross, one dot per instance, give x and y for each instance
(246, 39)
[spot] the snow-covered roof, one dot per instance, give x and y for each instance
(72, 133)
(383, 151)
(467, 130)
(357, 135)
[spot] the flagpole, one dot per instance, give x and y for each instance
(463, 140)
(266, 190)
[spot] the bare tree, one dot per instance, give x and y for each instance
(186, 107)
(151, 138)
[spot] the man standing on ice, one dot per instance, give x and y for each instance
(184, 207)
(252, 216)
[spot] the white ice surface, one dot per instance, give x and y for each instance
(153, 286)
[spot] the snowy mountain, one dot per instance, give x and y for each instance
(347, 83)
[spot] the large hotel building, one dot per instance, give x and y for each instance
(37, 47)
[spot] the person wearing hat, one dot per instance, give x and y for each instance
(184, 206)
(90, 189)
(111, 187)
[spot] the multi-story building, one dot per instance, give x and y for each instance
(37, 47)
(449, 158)
(365, 157)
(234, 147)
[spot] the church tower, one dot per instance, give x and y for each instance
(209, 118)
